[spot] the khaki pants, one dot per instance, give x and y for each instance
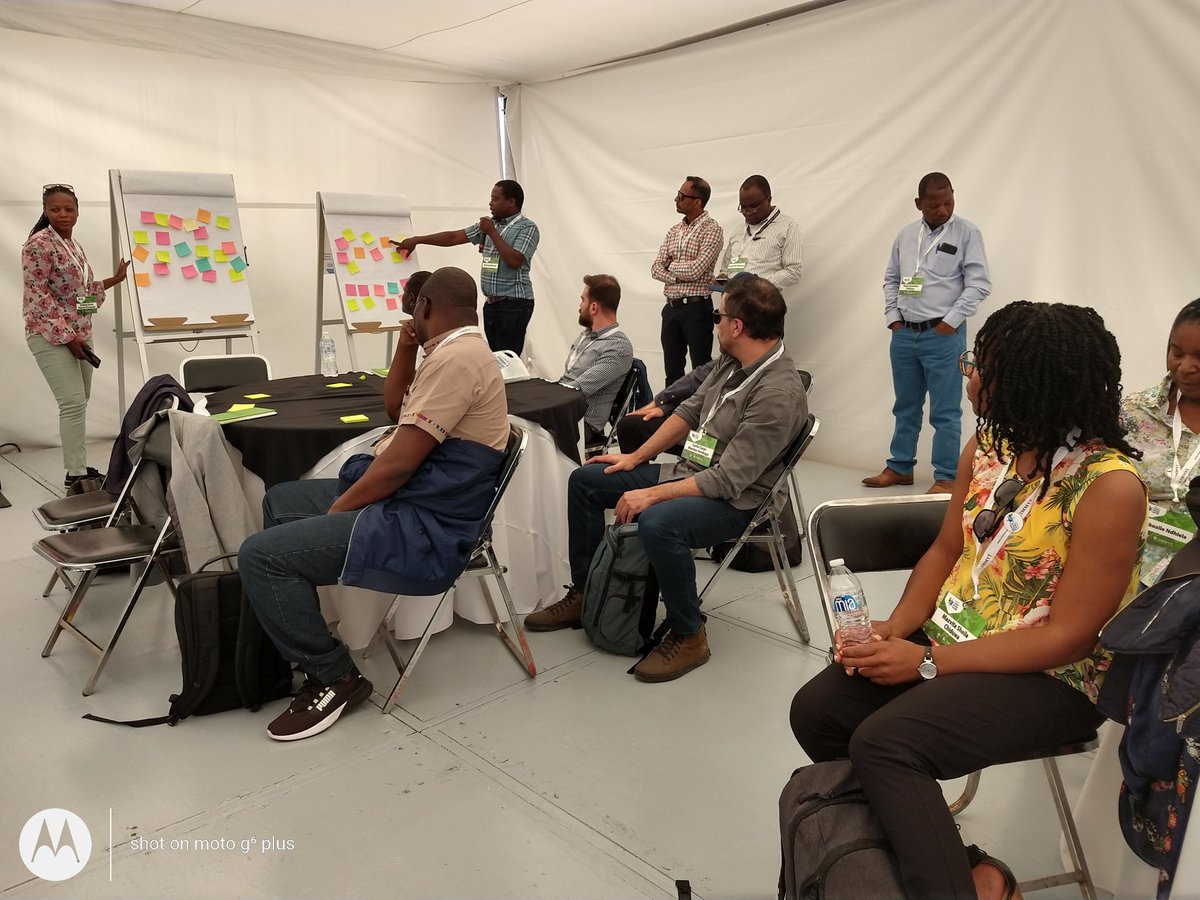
(70, 381)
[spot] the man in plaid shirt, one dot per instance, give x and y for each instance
(685, 264)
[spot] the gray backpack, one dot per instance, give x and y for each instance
(833, 846)
(620, 596)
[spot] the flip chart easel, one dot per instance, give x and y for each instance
(359, 231)
(190, 274)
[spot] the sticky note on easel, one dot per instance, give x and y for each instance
(182, 249)
(190, 225)
(376, 254)
(219, 256)
(393, 288)
(229, 248)
(140, 254)
(368, 238)
(162, 269)
(368, 304)
(141, 237)
(348, 233)
(341, 243)
(163, 256)
(352, 268)
(357, 417)
(236, 276)
(147, 217)
(256, 396)
(237, 264)
(209, 276)
(203, 265)
(360, 253)
(162, 238)
(175, 222)
(385, 242)
(141, 279)
(397, 256)
(203, 215)
(223, 222)
(352, 305)
(161, 219)
(188, 271)
(339, 384)
(379, 290)
(391, 303)
(202, 251)
(342, 259)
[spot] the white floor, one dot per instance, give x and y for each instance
(582, 783)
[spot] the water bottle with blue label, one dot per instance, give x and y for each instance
(849, 604)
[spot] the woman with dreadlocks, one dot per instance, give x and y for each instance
(991, 653)
(1163, 422)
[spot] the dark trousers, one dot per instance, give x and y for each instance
(903, 739)
(633, 431)
(504, 323)
(686, 330)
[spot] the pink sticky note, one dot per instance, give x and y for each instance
(210, 275)
(200, 234)
(162, 269)
(376, 254)
(343, 258)
(229, 248)
(379, 291)
(162, 238)
(147, 217)
(391, 303)
(359, 290)
(341, 243)
(188, 271)
(175, 222)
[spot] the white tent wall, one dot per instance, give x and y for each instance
(1066, 128)
(70, 110)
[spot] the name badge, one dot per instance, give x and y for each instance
(953, 621)
(699, 448)
(86, 304)
(491, 263)
(737, 264)
(911, 285)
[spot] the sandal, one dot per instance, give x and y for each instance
(977, 857)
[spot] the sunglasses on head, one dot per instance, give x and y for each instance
(986, 520)
(51, 188)
(718, 316)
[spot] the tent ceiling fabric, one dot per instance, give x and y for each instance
(489, 41)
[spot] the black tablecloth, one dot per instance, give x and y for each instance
(308, 425)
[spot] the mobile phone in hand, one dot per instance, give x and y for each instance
(90, 356)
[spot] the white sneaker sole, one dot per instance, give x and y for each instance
(326, 722)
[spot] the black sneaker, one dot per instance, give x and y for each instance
(316, 706)
(90, 473)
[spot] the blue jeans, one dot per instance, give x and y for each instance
(923, 362)
(504, 323)
(299, 548)
(669, 531)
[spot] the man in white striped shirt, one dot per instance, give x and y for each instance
(602, 356)
(768, 245)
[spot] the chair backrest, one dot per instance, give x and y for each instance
(791, 455)
(806, 379)
(518, 440)
(623, 402)
(204, 374)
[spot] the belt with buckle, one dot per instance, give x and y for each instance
(920, 326)
(684, 301)
(490, 300)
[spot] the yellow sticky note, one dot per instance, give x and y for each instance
(368, 238)
(203, 215)
(223, 222)
(141, 237)
(396, 257)
(238, 407)
(141, 279)
(358, 417)
(236, 276)
(352, 305)
(161, 219)
(368, 303)
(339, 384)
(348, 233)
(202, 251)
(190, 224)
(256, 396)
(140, 253)
(353, 268)
(219, 256)
(163, 256)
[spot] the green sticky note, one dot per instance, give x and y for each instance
(219, 256)
(223, 222)
(236, 264)
(238, 407)
(203, 265)
(141, 237)
(202, 251)
(357, 417)
(163, 256)
(161, 219)
(393, 288)
(368, 238)
(183, 249)
(348, 233)
(256, 396)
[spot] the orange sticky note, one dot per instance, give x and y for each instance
(385, 242)
(141, 279)
(203, 215)
(139, 253)
(360, 253)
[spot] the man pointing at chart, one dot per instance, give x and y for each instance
(507, 241)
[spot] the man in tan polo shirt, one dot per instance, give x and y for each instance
(402, 521)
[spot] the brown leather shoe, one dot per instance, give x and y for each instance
(889, 477)
(674, 657)
(941, 486)
(566, 613)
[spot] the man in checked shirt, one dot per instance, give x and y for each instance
(684, 264)
(601, 357)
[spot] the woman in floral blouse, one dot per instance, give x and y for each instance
(991, 653)
(61, 294)
(1163, 422)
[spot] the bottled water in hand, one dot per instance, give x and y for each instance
(849, 604)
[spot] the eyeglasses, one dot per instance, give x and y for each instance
(986, 520)
(718, 315)
(680, 195)
(967, 363)
(751, 208)
(51, 188)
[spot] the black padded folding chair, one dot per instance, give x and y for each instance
(205, 374)
(622, 404)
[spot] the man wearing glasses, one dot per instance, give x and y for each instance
(935, 280)
(768, 245)
(685, 264)
(734, 431)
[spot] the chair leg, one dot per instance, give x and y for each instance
(787, 582)
(116, 635)
(1079, 874)
(515, 642)
(68, 614)
(59, 575)
(968, 794)
(406, 671)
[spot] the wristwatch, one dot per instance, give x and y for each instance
(927, 669)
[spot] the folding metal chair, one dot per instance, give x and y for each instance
(622, 404)
(85, 552)
(893, 533)
(773, 537)
(483, 562)
(205, 374)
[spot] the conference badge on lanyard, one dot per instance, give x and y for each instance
(87, 304)
(491, 263)
(911, 285)
(699, 448)
(737, 264)
(954, 621)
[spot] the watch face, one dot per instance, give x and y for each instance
(927, 669)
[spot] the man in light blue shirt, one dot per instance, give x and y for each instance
(935, 280)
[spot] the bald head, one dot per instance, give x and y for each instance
(447, 300)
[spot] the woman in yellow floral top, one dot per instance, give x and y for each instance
(1164, 423)
(991, 653)
(61, 295)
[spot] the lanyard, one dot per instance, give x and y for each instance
(932, 243)
(577, 348)
(453, 336)
(1181, 476)
(765, 226)
(1014, 521)
(503, 231)
(712, 412)
(79, 260)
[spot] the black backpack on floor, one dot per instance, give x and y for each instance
(833, 845)
(229, 662)
(620, 596)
